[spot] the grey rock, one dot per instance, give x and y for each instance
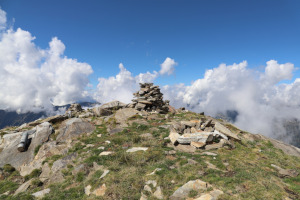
(215, 145)
(41, 194)
(10, 154)
(183, 191)
(158, 193)
(195, 137)
(113, 105)
(286, 172)
(23, 187)
(189, 123)
(219, 127)
(115, 130)
(122, 115)
(209, 154)
(56, 119)
(73, 128)
(135, 149)
(174, 137)
(63, 162)
(99, 111)
(46, 171)
(185, 148)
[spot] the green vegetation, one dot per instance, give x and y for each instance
(244, 172)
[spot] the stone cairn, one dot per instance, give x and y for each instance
(149, 98)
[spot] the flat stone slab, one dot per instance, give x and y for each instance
(202, 137)
(134, 149)
(219, 127)
(41, 194)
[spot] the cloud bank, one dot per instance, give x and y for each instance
(32, 79)
(263, 105)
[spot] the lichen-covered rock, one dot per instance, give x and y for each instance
(10, 154)
(73, 128)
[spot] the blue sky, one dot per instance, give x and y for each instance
(198, 35)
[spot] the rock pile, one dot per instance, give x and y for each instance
(201, 134)
(149, 98)
(73, 110)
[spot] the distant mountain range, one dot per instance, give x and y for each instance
(12, 118)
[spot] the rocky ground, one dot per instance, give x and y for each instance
(119, 152)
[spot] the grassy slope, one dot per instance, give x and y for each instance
(244, 172)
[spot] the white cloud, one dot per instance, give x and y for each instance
(276, 72)
(261, 103)
(122, 86)
(32, 79)
(168, 66)
(2, 19)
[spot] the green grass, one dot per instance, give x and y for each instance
(35, 173)
(8, 186)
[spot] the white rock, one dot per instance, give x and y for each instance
(104, 173)
(148, 188)
(158, 193)
(153, 182)
(87, 190)
(134, 149)
(106, 153)
(107, 141)
(209, 154)
(143, 197)
(156, 170)
(41, 193)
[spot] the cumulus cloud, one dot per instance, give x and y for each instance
(32, 79)
(122, 86)
(168, 66)
(262, 104)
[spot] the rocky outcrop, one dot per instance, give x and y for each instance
(201, 134)
(72, 128)
(10, 154)
(149, 98)
(74, 110)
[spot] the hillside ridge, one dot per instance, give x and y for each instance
(143, 150)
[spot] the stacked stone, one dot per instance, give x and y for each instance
(149, 98)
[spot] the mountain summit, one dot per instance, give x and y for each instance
(143, 150)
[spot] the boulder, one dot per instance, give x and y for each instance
(202, 137)
(23, 187)
(99, 111)
(73, 128)
(46, 150)
(46, 171)
(219, 127)
(286, 172)
(41, 194)
(122, 115)
(113, 105)
(10, 154)
(173, 137)
(63, 162)
(183, 191)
